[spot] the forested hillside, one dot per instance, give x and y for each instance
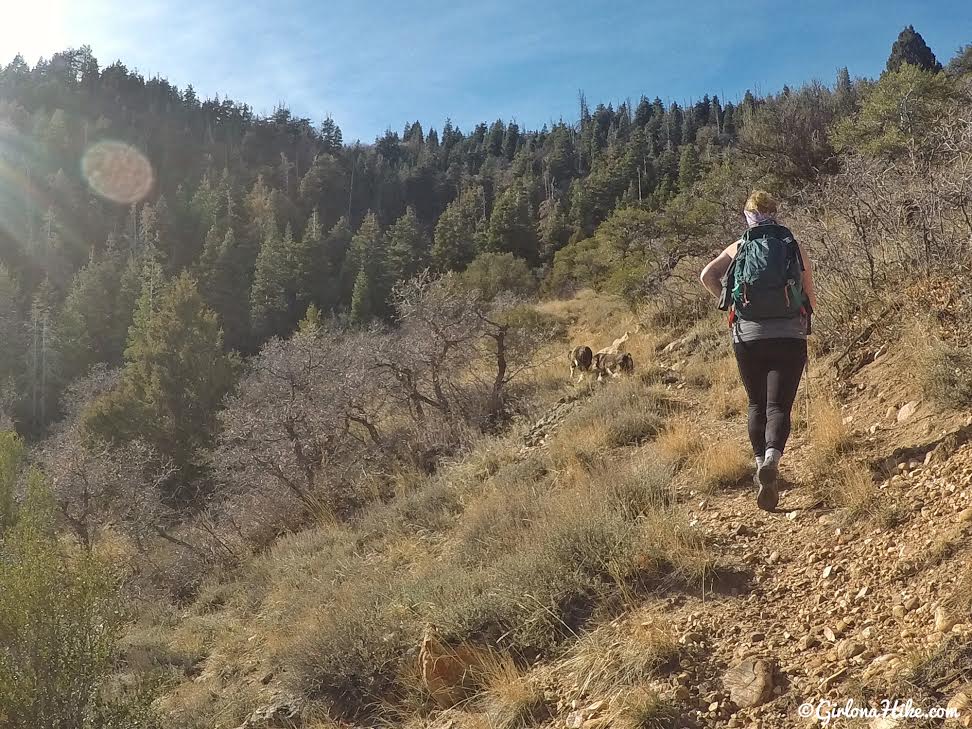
(269, 215)
(238, 352)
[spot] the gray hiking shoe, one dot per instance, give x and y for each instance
(767, 477)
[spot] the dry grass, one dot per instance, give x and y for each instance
(959, 603)
(720, 465)
(728, 402)
(622, 413)
(853, 489)
(944, 371)
(828, 435)
(512, 699)
(607, 660)
(644, 709)
(679, 441)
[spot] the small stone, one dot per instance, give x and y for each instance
(830, 634)
(743, 531)
(961, 703)
(809, 641)
(594, 708)
(757, 638)
(750, 683)
(828, 570)
(943, 621)
(681, 693)
(775, 556)
(898, 611)
(911, 603)
(849, 649)
(907, 411)
(965, 515)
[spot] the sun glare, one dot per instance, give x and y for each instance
(33, 29)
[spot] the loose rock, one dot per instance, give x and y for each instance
(750, 683)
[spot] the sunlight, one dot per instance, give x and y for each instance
(32, 29)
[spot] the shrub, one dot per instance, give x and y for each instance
(679, 441)
(495, 273)
(11, 456)
(828, 435)
(606, 660)
(944, 371)
(512, 698)
(60, 618)
(720, 465)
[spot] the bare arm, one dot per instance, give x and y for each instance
(711, 276)
(808, 288)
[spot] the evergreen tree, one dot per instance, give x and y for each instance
(331, 138)
(408, 247)
(222, 277)
(911, 48)
(458, 232)
(90, 327)
(368, 255)
(689, 168)
(362, 297)
(272, 282)
(643, 112)
(174, 378)
(11, 326)
(511, 226)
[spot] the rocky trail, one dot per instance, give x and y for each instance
(811, 606)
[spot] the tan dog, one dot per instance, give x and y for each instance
(615, 347)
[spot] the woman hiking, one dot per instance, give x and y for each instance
(765, 282)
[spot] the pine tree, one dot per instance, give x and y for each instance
(312, 321)
(689, 168)
(511, 225)
(459, 231)
(174, 378)
(222, 276)
(911, 48)
(271, 281)
(361, 299)
(368, 254)
(331, 138)
(90, 326)
(11, 326)
(643, 112)
(408, 247)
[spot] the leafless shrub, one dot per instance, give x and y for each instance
(876, 225)
(304, 415)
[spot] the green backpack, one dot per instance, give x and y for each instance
(765, 279)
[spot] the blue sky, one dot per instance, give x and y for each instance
(374, 64)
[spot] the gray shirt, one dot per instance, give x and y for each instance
(750, 331)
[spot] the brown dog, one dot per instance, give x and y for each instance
(580, 358)
(613, 365)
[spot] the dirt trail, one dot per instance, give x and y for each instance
(841, 609)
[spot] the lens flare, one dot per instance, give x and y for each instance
(117, 171)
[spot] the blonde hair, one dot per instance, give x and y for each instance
(761, 202)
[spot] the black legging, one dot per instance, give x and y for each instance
(771, 371)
